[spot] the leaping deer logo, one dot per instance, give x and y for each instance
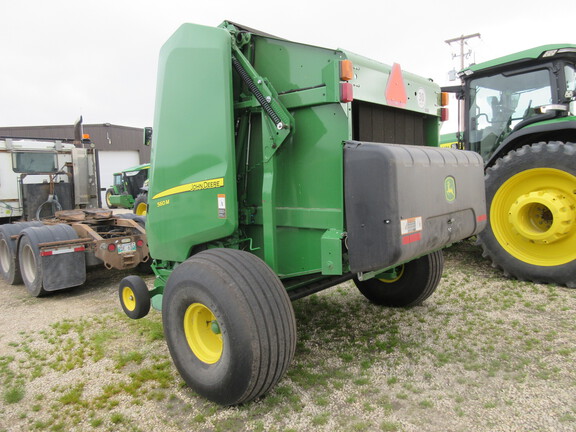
(450, 188)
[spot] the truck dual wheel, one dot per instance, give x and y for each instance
(31, 263)
(134, 297)
(229, 325)
(409, 285)
(109, 193)
(141, 204)
(531, 197)
(9, 269)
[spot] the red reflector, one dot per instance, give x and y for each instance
(482, 218)
(45, 253)
(111, 247)
(395, 89)
(411, 238)
(346, 92)
(444, 114)
(140, 243)
(79, 249)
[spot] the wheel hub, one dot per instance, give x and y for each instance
(543, 216)
(4, 256)
(203, 333)
(129, 298)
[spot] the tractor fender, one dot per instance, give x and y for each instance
(564, 131)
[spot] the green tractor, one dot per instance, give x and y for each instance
(130, 189)
(519, 113)
(278, 170)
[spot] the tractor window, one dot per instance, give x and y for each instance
(570, 75)
(500, 102)
(117, 179)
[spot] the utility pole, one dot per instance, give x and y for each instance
(462, 39)
(461, 105)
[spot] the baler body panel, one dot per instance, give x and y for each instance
(192, 195)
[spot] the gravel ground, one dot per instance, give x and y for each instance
(482, 354)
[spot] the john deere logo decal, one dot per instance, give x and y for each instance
(450, 188)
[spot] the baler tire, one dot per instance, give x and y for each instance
(244, 335)
(141, 204)
(9, 268)
(109, 193)
(134, 297)
(417, 281)
(531, 199)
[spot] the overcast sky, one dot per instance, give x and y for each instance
(66, 58)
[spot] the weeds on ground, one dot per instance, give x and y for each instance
(358, 367)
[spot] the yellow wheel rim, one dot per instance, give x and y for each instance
(533, 216)
(108, 195)
(141, 209)
(390, 278)
(128, 298)
(203, 333)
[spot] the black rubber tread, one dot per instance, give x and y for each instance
(554, 154)
(141, 294)
(109, 192)
(33, 237)
(11, 272)
(419, 280)
(141, 198)
(256, 317)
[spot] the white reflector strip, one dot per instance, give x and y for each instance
(62, 251)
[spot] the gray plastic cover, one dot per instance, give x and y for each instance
(405, 201)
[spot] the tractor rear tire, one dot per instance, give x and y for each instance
(531, 199)
(229, 325)
(141, 204)
(109, 193)
(416, 281)
(9, 268)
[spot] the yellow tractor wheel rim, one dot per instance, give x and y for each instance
(128, 298)
(203, 333)
(387, 279)
(141, 209)
(533, 216)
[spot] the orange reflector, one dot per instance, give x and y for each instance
(444, 98)
(444, 114)
(86, 136)
(395, 89)
(346, 70)
(346, 92)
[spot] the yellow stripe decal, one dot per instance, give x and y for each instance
(192, 187)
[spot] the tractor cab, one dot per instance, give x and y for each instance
(127, 185)
(505, 95)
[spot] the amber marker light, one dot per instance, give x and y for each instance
(346, 70)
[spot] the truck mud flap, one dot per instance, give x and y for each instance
(63, 266)
(407, 201)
